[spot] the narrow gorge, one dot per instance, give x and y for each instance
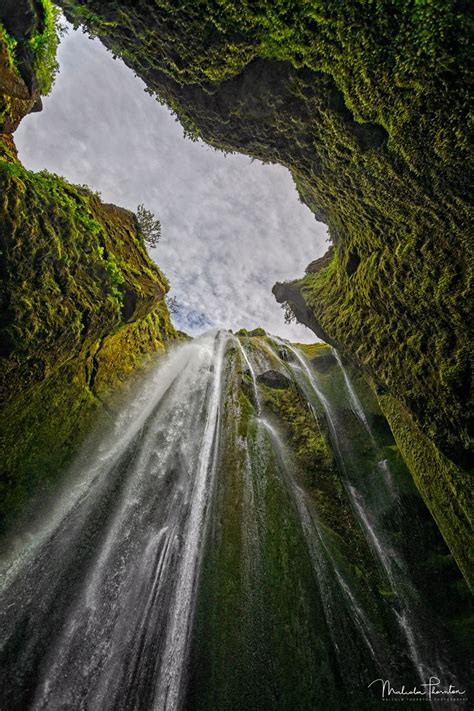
(236, 521)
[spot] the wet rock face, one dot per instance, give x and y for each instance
(323, 363)
(274, 379)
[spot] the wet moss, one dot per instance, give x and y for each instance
(413, 517)
(261, 638)
(44, 424)
(444, 488)
(310, 446)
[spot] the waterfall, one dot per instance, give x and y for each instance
(252, 375)
(330, 576)
(168, 689)
(116, 571)
(354, 400)
(192, 559)
(426, 662)
(325, 564)
(357, 408)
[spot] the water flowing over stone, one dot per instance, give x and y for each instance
(204, 554)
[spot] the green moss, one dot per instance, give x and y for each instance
(251, 334)
(312, 350)
(310, 445)
(44, 44)
(82, 309)
(9, 44)
(13, 92)
(82, 305)
(427, 367)
(73, 269)
(387, 58)
(35, 449)
(445, 489)
(28, 63)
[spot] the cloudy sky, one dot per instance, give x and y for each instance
(231, 227)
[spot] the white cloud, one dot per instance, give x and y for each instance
(231, 227)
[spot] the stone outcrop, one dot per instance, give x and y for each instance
(274, 379)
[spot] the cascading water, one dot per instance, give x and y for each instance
(210, 553)
(108, 622)
(392, 564)
(425, 654)
(353, 398)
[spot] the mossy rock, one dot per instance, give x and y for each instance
(251, 334)
(28, 66)
(274, 379)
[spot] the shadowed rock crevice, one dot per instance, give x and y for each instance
(274, 379)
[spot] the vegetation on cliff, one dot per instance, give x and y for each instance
(74, 270)
(81, 303)
(82, 307)
(28, 66)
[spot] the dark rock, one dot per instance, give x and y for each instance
(320, 263)
(290, 293)
(274, 379)
(129, 304)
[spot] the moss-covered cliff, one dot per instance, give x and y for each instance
(368, 106)
(81, 303)
(261, 631)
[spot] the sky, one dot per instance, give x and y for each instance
(231, 226)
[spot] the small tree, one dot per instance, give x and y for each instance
(173, 306)
(150, 227)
